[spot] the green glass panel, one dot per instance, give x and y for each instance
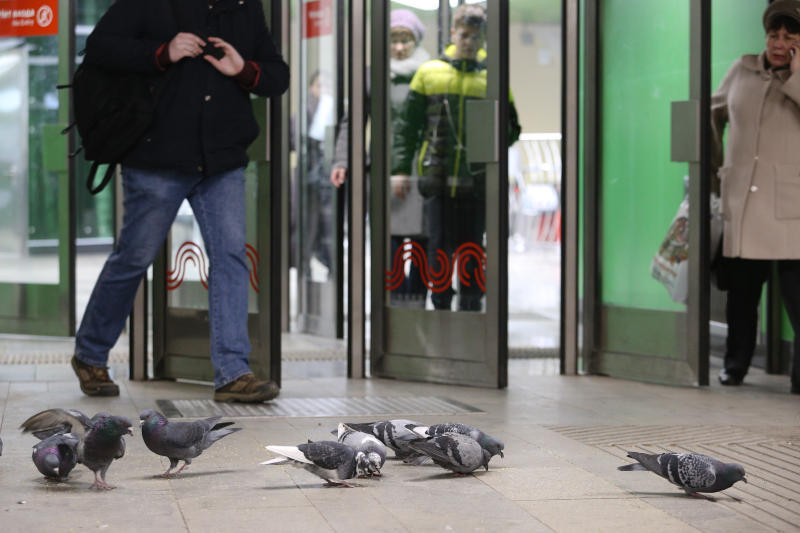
(644, 67)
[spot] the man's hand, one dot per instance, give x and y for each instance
(401, 185)
(338, 175)
(184, 45)
(231, 63)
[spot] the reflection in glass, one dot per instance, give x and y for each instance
(429, 158)
(313, 123)
(28, 189)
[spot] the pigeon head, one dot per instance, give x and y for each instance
(732, 473)
(494, 446)
(114, 426)
(50, 464)
(151, 418)
(374, 464)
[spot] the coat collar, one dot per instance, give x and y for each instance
(758, 64)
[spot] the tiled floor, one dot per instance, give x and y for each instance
(551, 479)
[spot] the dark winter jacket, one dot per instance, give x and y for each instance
(433, 121)
(204, 119)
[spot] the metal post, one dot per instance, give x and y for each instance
(569, 189)
(356, 349)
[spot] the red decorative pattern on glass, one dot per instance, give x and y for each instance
(438, 279)
(191, 252)
(252, 255)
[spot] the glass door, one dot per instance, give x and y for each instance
(36, 228)
(650, 108)
(439, 191)
(316, 240)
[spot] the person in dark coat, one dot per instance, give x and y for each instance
(195, 149)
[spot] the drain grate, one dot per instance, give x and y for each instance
(319, 407)
(772, 462)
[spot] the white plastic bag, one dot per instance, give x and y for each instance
(670, 264)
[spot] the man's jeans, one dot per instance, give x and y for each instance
(152, 199)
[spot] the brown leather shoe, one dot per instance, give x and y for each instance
(94, 379)
(247, 389)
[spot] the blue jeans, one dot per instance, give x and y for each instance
(151, 202)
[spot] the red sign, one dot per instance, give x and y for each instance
(23, 18)
(317, 18)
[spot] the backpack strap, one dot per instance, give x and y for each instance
(106, 178)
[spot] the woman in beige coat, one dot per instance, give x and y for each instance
(759, 99)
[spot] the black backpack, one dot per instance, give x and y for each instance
(112, 110)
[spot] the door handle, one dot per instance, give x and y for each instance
(685, 124)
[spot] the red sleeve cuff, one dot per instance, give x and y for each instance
(249, 76)
(162, 57)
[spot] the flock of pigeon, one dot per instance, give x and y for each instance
(68, 437)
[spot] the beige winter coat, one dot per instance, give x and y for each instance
(760, 175)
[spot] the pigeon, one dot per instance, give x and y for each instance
(693, 472)
(332, 461)
(393, 433)
(56, 455)
(1, 446)
(181, 441)
(460, 453)
(487, 442)
(100, 438)
(374, 449)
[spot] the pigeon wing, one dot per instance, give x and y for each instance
(54, 421)
(695, 471)
(327, 454)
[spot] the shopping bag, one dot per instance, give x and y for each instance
(670, 265)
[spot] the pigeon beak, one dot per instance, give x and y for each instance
(744, 479)
(141, 423)
(130, 430)
(501, 455)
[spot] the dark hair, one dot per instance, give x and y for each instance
(472, 15)
(781, 21)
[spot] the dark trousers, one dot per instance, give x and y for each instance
(451, 222)
(746, 279)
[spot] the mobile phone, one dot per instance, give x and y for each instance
(211, 50)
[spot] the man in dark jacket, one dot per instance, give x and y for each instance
(195, 149)
(433, 125)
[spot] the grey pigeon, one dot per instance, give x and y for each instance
(332, 461)
(57, 455)
(460, 453)
(1, 447)
(181, 441)
(487, 442)
(101, 437)
(393, 433)
(693, 472)
(374, 449)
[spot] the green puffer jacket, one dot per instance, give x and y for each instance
(433, 122)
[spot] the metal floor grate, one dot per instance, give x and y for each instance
(772, 461)
(319, 407)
